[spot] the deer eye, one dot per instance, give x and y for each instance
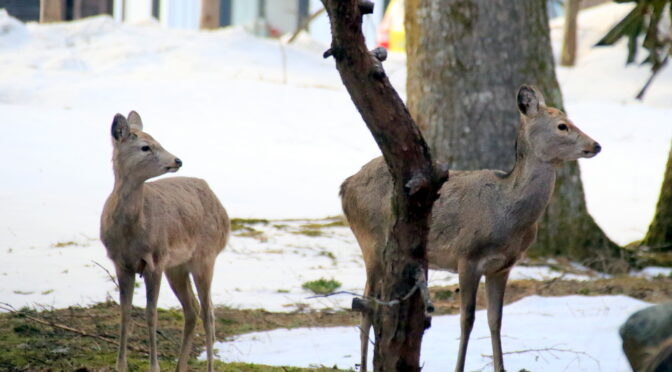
(145, 148)
(563, 127)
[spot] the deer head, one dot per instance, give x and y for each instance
(137, 156)
(547, 133)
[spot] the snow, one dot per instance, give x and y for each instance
(273, 131)
(270, 127)
(585, 328)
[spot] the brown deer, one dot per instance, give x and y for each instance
(173, 225)
(483, 220)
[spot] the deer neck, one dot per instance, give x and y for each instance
(127, 208)
(531, 185)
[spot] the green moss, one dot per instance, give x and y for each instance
(322, 286)
(443, 295)
(241, 223)
(311, 233)
(65, 244)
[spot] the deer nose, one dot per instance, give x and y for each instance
(178, 162)
(598, 148)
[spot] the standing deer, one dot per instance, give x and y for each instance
(483, 220)
(174, 225)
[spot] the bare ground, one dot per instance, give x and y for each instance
(89, 343)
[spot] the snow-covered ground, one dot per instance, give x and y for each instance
(572, 333)
(273, 131)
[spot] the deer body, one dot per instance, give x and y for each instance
(483, 220)
(175, 226)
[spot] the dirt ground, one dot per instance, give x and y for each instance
(84, 339)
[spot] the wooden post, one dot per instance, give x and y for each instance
(568, 55)
(400, 314)
(51, 11)
(210, 14)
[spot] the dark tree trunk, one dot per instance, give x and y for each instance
(399, 324)
(466, 60)
(659, 236)
(568, 54)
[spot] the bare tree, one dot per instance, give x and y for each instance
(51, 11)
(568, 54)
(210, 14)
(465, 57)
(401, 302)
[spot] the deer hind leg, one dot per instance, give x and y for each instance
(469, 278)
(364, 331)
(203, 281)
(153, 285)
(178, 278)
(126, 287)
(494, 287)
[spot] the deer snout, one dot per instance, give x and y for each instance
(178, 162)
(594, 150)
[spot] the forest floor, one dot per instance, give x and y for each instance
(84, 338)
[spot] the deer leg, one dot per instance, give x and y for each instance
(365, 330)
(178, 278)
(469, 278)
(203, 281)
(494, 289)
(153, 284)
(126, 286)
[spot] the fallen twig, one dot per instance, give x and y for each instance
(549, 350)
(113, 279)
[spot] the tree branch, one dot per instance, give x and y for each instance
(398, 329)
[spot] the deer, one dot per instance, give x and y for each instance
(175, 226)
(483, 220)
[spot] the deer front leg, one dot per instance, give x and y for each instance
(469, 278)
(494, 288)
(203, 281)
(126, 286)
(153, 284)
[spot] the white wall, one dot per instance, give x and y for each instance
(244, 12)
(283, 14)
(180, 13)
(133, 10)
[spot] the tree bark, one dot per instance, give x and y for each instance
(399, 324)
(209, 14)
(568, 54)
(466, 60)
(51, 11)
(659, 236)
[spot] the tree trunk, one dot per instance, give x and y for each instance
(51, 11)
(466, 60)
(568, 55)
(209, 14)
(659, 236)
(400, 305)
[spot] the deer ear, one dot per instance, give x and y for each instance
(120, 128)
(529, 100)
(134, 120)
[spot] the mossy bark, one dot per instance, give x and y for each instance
(466, 60)
(659, 236)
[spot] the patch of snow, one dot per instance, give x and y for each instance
(652, 272)
(585, 327)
